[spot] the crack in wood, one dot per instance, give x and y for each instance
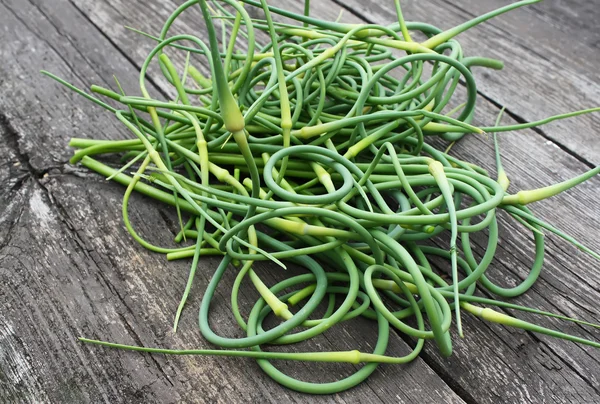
(11, 139)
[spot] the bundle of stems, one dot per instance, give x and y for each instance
(313, 149)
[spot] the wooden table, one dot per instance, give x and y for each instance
(69, 268)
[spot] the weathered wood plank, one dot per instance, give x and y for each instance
(519, 365)
(78, 273)
(13, 174)
(112, 16)
(69, 268)
(536, 55)
(43, 113)
(551, 292)
(42, 304)
(531, 362)
(159, 285)
(566, 33)
(495, 363)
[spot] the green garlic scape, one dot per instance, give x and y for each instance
(329, 169)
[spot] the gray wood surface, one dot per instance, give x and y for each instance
(68, 267)
(551, 47)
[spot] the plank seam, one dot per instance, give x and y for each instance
(512, 114)
(11, 137)
(540, 132)
(535, 337)
(118, 48)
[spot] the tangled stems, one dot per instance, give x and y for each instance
(329, 169)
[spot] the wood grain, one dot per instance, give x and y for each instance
(550, 54)
(69, 268)
(529, 367)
